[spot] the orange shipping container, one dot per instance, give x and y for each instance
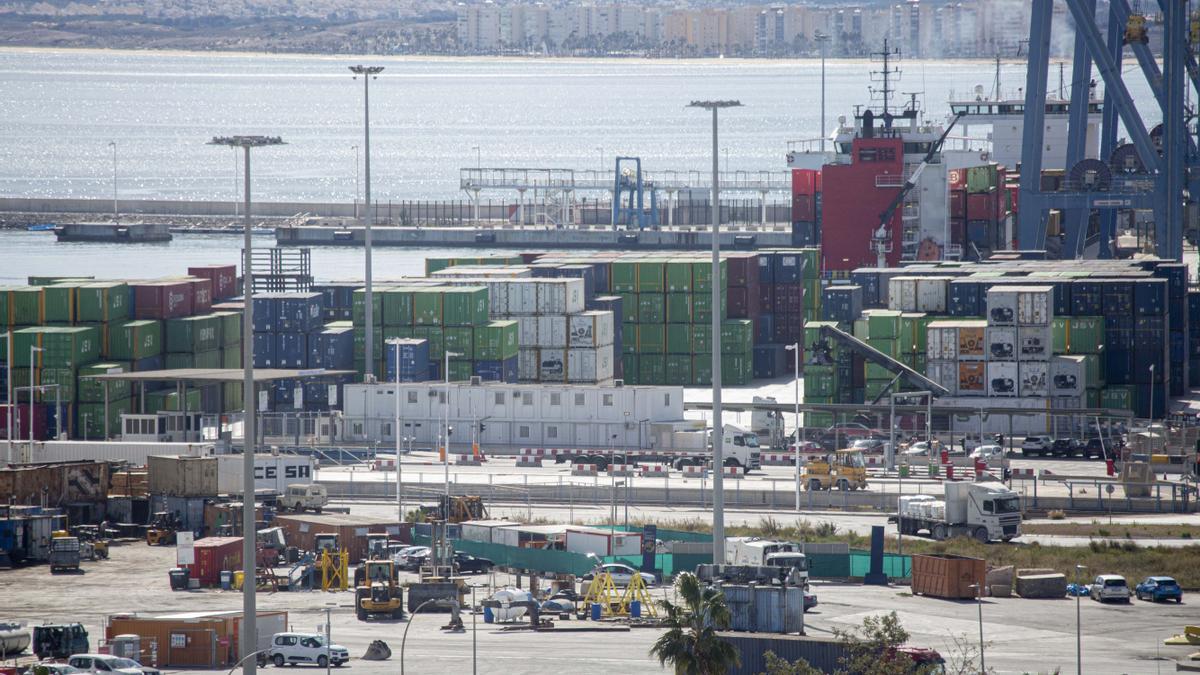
(972, 376)
(947, 576)
(970, 341)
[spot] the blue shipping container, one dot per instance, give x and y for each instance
(496, 371)
(149, 363)
(766, 268)
(585, 272)
(1150, 297)
(769, 361)
(291, 350)
(785, 268)
(414, 360)
(264, 312)
(298, 312)
(331, 349)
(264, 350)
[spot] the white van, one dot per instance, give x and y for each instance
(306, 497)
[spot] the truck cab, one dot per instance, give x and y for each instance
(757, 552)
(987, 505)
(740, 448)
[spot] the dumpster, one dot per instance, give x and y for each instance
(179, 579)
(226, 580)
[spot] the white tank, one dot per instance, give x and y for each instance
(14, 638)
(505, 597)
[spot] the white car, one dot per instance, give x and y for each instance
(1036, 446)
(1110, 587)
(107, 663)
(988, 453)
(918, 449)
(312, 497)
(293, 648)
(621, 574)
(58, 669)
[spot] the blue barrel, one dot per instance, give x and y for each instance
(488, 615)
(226, 580)
(596, 611)
(635, 609)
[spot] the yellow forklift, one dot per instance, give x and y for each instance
(377, 590)
(162, 529)
(843, 469)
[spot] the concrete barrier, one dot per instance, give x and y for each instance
(653, 471)
(779, 459)
(695, 471)
(733, 472)
(583, 469)
(468, 460)
(383, 465)
(529, 461)
(621, 469)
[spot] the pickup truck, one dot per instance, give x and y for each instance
(64, 554)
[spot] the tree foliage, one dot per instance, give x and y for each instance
(691, 644)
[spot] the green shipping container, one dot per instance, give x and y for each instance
(397, 307)
(651, 339)
(652, 369)
(89, 418)
(134, 340)
(65, 378)
(888, 347)
(812, 334)
(360, 341)
(736, 369)
(873, 388)
(678, 370)
(811, 258)
(168, 399)
(651, 276)
(652, 308)
(876, 372)
(818, 420)
(1085, 335)
(233, 395)
(812, 294)
(427, 307)
(819, 384)
(497, 341)
(93, 391)
(702, 306)
(629, 308)
(679, 276)
(231, 356)
(59, 303)
(50, 281)
(624, 277)
(103, 301)
(1117, 398)
(205, 359)
(25, 306)
(630, 344)
(679, 340)
(1092, 396)
(360, 367)
(231, 327)
(1058, 331)
(393, 332)
(359, 306)
(883, 324)
(702, 276)
(702, 338)
(62, 346)
(737, 336)
(702, 370)
(679, 308)
(459, 340)
(913, 333)
(629, 364)
(982, 178)
(437, 340)
(194, 334)
(464, 306)
(460, 371)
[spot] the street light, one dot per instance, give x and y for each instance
(446, 436)
(249, 634)
(11, 411)
(356, 184)
(478, 157)
(718, 455)
(395, 342)
(1078, 623)
(32, 370)
(368, 72)
(795, 348)
(979, 602)
(113, 145)
(821, 39)
(1150, 426)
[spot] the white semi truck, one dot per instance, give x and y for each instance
(756, 552)
(986, 511)
(685, 443)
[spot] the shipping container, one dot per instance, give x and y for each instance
(333, 349)
(194, 334)
(1035, 376)
(291, 350)
(1003, 378)
(1001, 343)
(103, 302)
(590, 329)
(263, 351)
(178, 476)
(166, 299)
(506, 370)
(271, 472)
(96, 391)
(134, 340)
(214, 555)
(972, 378)
(944, 373)
(465, 306)
(61, 346)
(223, 279)
(947, 576)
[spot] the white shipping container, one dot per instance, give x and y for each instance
(560, 296)
(590, 364)
(551, 331)
(527, 364)
(135, 454)
(1003, 378)
(271, 472)
(1068, 375)
(590, 329)
(1036, 422)
(1002, 306)
(942, 341)
(1001, 343)
(482, 530)
(944, 373)
(1035, 305)
(1036, 343)
(497, 298)
(552, 365)
(527, 329)
(902, 294)
(1035, 378)
(522, 297)
(931, 294)
(602, 542)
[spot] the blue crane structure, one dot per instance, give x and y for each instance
(630, 184)
(1155, 170)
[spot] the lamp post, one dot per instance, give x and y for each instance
(11, 410)
(249, 634)
(32, 370)
(795, 349)
(1078, 624)
(821, 39)
(367, 72)
(357, 188)
(1150, 426)
(478, 157)
(718, 454)
(116, 217)
(446, 435)
(395, 342)
(979, 603)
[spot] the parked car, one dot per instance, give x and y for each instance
(1035, 446)
(810, 599)
(1110, 587)
(412, 557)
(1158, 588)
(918, 449)
(1065, 447)
(466, 563)
(988, 453)
(56, 668)
(293, 648)
(973, 441)
(1096, 449)
(107, 663)
(622, 574)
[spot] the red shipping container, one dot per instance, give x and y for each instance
(958, 231)
(162, 299)
(202, 295)
(754, 305)
(958, 204)
(213, 556)
(1014, 191)
(804, 209)
(804, 181)
(958, 179)
(789, 330)
(20, 422)
(737, 303)
(223, 278)
(789, 300)
(741, 267)
(983, 206)
(766, 296)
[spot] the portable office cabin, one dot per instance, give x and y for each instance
(193, 639)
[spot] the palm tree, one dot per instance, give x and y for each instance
(691, 644)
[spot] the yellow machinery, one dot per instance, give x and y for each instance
(844, 470)
(162, 529)
(604, 592)
(457, 509)
(636, 590)
(1135, 28)
(335, 570)
(377, 590)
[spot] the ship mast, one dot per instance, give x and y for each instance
(885, 78)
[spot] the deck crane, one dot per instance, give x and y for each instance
(881, 242)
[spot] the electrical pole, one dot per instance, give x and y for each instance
(368, 72)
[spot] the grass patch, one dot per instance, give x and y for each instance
(1126, 529)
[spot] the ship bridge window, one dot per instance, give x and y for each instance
(844, 148)
(876, 155)
(916, 148)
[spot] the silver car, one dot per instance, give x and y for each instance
(1110, 587)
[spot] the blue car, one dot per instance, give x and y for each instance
(1159, 588)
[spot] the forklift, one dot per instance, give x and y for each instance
(162, 529)
(377, 590)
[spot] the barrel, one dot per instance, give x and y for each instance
(635, 609)
(488, 615)
(934, 470)
(904, 471)
(226, 580)
(596, 611)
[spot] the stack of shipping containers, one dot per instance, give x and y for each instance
(980, 209)
(290, 332)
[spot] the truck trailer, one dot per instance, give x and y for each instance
(757, 552)
(985, 511)
(678, 444)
